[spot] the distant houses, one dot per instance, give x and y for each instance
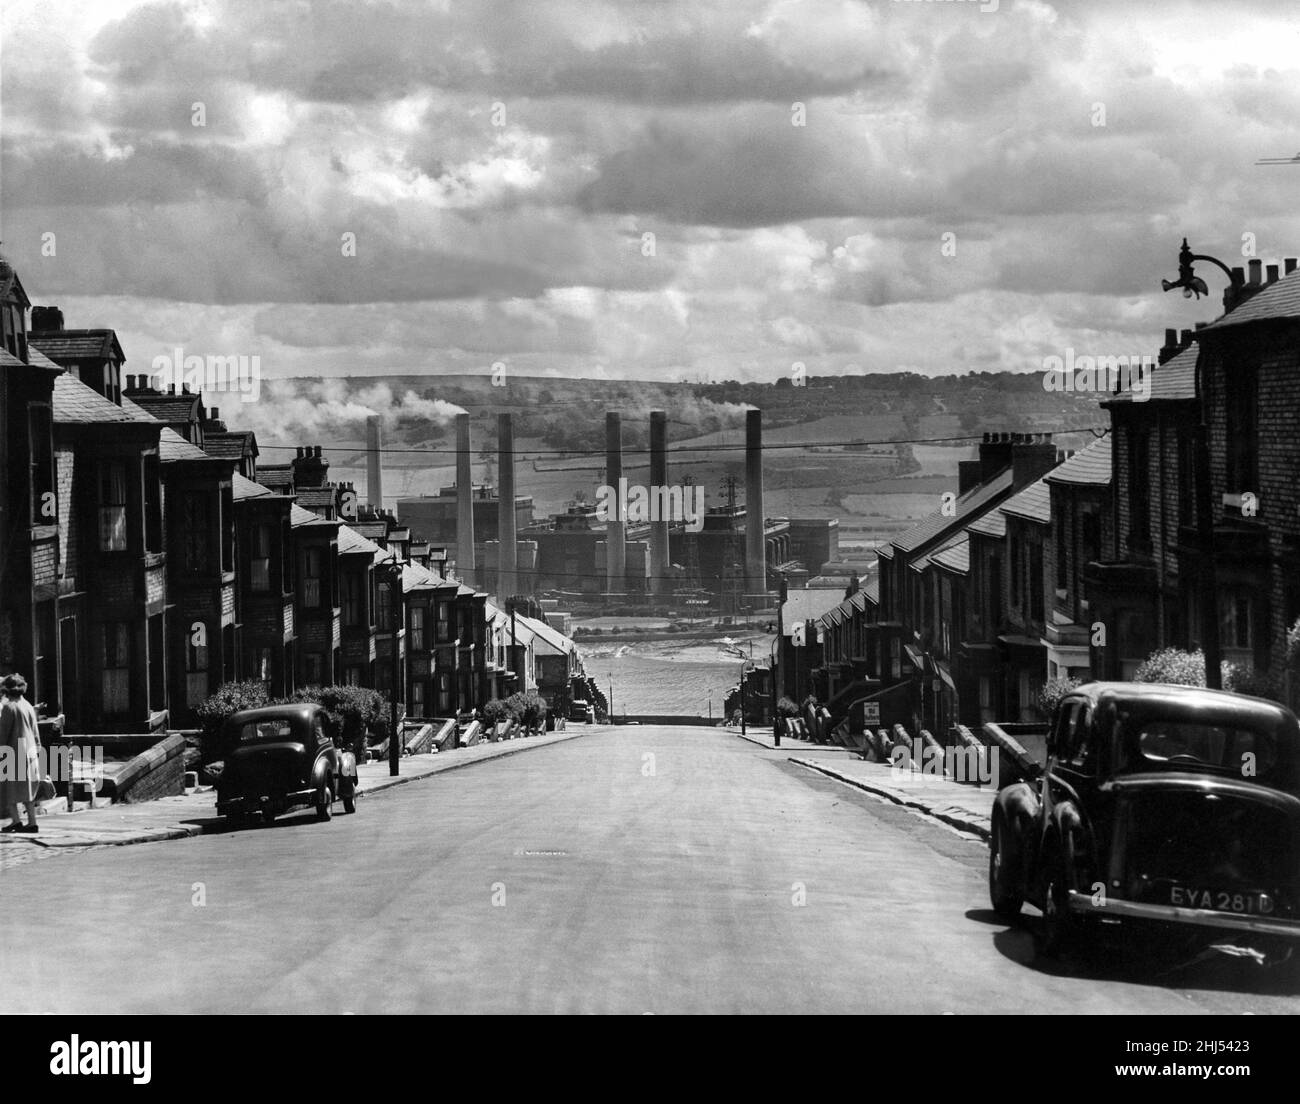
(148, 555)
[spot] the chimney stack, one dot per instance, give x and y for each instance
(507, 551)
(1272, 273)
(995, 455)
(1256, 266)
(374, 464)
(755, 545)
(465, 503)
(615, 533)
(658, 479)
(1032, 455)
(1288, 266)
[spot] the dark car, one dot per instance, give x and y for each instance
(280, 756)
(1166, 809)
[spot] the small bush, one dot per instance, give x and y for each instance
(495, 711)
(355, 710)
(228, 699)
(1053, 691)
(787, 708)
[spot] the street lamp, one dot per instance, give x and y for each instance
(396, 615)
(1208, 578)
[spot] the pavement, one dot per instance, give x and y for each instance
(656, 868)
(194, 813)
(967, 808)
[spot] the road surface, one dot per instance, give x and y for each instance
(638, 870)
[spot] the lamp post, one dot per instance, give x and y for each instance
(1208, 573)
(396, 614)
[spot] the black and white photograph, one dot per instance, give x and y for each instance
(650, 507)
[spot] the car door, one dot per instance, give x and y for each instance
(1075, 776)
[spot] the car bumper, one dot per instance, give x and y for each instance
(246, 804)
(1201, 918)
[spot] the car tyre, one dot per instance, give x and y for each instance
(1006, 903)
(348, 792)
(324, 802)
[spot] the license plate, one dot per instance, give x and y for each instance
(1217, 900)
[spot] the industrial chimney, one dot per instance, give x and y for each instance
(374, 465)
(658, 482)
(464, 504)
(507, 551)
(615, 534)
(755, 544)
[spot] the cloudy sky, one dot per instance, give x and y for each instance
(500, 164)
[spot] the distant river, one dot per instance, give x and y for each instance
(663, 676)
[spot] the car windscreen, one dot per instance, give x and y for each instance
(1214, 745)
(257, 731)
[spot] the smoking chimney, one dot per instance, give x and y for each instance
(507, 552)
(755, 546)
(658, 481)
(374, 465)
(464, 504)
(615, 534)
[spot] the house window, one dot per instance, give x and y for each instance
(44, 510)
(1234, 620)
(116, 685)
(1139, 495)
(352, 675)
(313, 564)
(1036, 581)
(444, 621)
(260, 562)
(196, 668)
(385, 609)
(1242, 382)
(153, 540)
(417, 697)
(1016, 583)
(1062, 550)
(262, 665)
(444, 693)
(314, 668)
(112, 506)
(194, 533)
(417, 628)
(352, 599)
(1186, 479)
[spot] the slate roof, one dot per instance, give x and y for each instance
(168, 408)
(808, 605)
(549, 635)
(275, 475)
(872, 591)
(993, 524)
(922, 562)
(298, 517)
(36, 358)
(77, 404)
(315, 496)
(1034, 503)
(956, 557)
(231, 445)
(352, 541)
(1089, 466)
(172, 446)
(973, 502)
(246, 488)
(1173, 380)
(1278, 300)
(60, 345)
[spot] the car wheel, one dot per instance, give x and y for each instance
(324, 802)
(1006, 902)
(1058, 930)
(348, 792)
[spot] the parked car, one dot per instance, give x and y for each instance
(1164, 809)
(281, 756)
(581, 710)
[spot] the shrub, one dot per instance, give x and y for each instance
(1053, 691)
(1181, 668)
(528, 708)
(495, 711)
(787, 708)
(228, 699)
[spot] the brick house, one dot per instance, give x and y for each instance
(265, 635)
(33, 629)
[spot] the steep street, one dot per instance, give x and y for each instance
(638, 870)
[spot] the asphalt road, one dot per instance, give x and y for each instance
(643, 870)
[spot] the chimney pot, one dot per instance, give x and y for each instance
(1272, 273)
(1289, 265)
(1256, 267)
(1171, 337)
(317, 452)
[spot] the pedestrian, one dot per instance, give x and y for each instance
(20, 744)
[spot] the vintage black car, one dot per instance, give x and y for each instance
(280, 756)
(1164, 809)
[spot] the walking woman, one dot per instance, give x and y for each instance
(20, 742)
